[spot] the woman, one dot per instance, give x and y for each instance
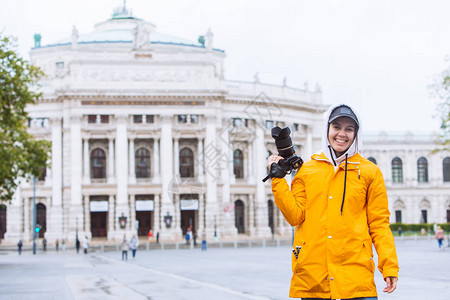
(339, 205)
(439, 236)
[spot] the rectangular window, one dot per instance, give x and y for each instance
(269, 124)
(137, 119)
(398, 216)
(182, 118)
(149, 119)
(92, 119)
(104, 119)
(194, 118)
(59, 65)
(295, 127)
(237, 122)
(423, 216)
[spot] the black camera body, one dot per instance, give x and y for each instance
(286, 150)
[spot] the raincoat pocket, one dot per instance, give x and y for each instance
(298, 260)
(368, 254)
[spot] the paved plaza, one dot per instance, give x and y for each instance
(219, 273)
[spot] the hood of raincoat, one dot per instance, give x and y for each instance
(352, 150)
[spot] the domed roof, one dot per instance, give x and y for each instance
(121, 29)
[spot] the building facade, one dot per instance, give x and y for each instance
(147, 134)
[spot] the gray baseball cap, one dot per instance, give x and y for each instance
(343, 111)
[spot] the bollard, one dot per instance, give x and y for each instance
(264, 243)
(147, 246)
(249, 243)
(102, 248)
(278, 243)
(177, 246)
(235, 244)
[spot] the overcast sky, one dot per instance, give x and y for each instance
(379, 56)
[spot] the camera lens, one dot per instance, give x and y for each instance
(283, 141)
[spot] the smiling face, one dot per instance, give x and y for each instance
(341, 133)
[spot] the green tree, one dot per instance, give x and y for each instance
(443, 92)
(21, 155)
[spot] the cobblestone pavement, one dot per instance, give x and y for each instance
(219, 273)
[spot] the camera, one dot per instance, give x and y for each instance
(286, 150)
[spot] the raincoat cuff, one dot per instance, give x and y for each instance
(390, 273)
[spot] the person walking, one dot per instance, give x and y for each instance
(63, 245)
(400, 231)
(157, 237)
(339, 206)
(85, 245)
(19, 247)
(77, 245)
(134, 243)
(124, 247)
(44, 244)
(440, 236)
(57, 244)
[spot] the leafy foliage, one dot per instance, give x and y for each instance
(443, 92)
(21, 156)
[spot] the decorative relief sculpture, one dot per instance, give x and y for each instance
(141, 36)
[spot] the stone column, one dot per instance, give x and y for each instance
(14, 225)
(111, 158)
(86, 161)
(55, 212)
(133, 214)
(157, 215)
(308, 148)
(200, 160)
(132, 168)
(167, 207)
(27, 215)
(229, 229)
(111, 217)
(211, 207)
(156, 175)
(177, 217)
(87, 216)
(262, 228)
(122, 173)
(251, 214)
(201, 213)
(76, 208)
(176, 157)
(250, 175)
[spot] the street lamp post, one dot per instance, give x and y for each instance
(34, 215)
(76, 230)
(215, 227)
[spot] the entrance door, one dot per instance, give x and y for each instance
(188, 219)
(41, 218)
(145, 222)
(239, 216)
(98, 223)
(2, 221)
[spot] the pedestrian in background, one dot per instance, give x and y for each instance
(157, 237)
(440, 236)
(63, 245)
(19, 247)
(204, 243)
(85, 245)
(134, 243)
(124, 247)
(339, 206)
(44, 244)
(400, 231)
(57, 244)
(77, 245)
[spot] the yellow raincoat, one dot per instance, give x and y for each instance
(336, 260)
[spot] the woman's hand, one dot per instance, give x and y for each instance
(273, 159)
(391, 284)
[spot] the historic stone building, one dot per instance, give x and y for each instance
(147, 134)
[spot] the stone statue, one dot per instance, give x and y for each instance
(141, 36)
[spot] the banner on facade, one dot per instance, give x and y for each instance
(189, 204)
(99, 206)
(145, 205)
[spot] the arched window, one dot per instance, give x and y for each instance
(397, 170)
(186, 163)
(98, 163)
(239, 216)
(422, 170)
(142, 165)
(238, 163)
(41, 218)
(446, 169)
(372, 160)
